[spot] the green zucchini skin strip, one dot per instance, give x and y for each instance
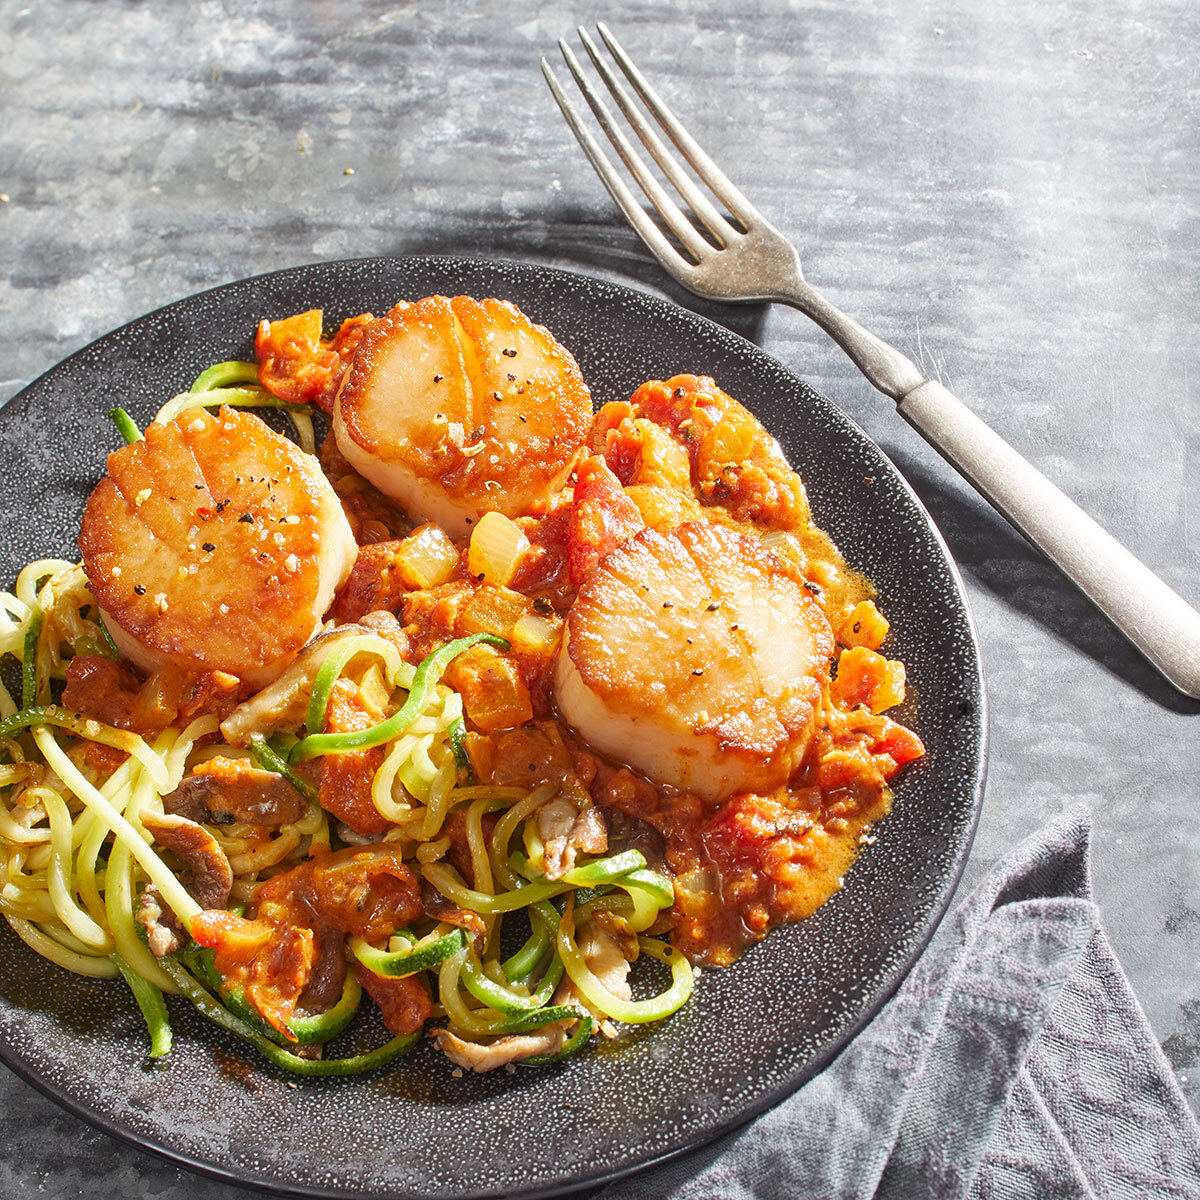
(659, 886)
(614, 869)
(238, 384)
(489, 992)
(426, 676)
(575, 1042)
(606, 870)
(321, 1027)
(632, 1012)
(126, 425)
(647, 904)
(218, 1014)
(154, 1008)
(29, 658)
(550, 981)
(529, 956)
(234, 999)
(397, 964)
(483, 902)
(648, 892)
(201, 961)
(310, 1030)
(527, 1022)
(637, 906)
(266, 758)
(244, 397)
(458, 747)
(50, 714)
(318, 698)
(617, 870)
(224, 375)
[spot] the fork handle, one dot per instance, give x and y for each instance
(1159, 622)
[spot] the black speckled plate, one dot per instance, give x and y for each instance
(750, 1035)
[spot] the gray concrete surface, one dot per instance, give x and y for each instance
(1009, 192)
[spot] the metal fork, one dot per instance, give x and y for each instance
(741, 257)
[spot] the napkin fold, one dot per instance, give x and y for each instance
(1014, 1061)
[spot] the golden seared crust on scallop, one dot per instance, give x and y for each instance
(214, 544)
(458, 407)
(699, 658)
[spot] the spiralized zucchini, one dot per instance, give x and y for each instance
(236, 384)
(75, 855)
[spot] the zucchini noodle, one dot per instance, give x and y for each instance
(85, 884)
(236, 385)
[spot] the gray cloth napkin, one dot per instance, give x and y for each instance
(1014, 1061)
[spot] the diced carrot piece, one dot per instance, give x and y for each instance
(865, 626)
(868, 679)
(494, 694)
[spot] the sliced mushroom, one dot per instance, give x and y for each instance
(601, 950)
(387, 625)
(164, 934)
(564, 830)
(206, 875)
(325, 984)
(589, 832)
(284, 702)
(353, 838)
(440, 909)
(511, 1049)
(224, 790)
(605, 959)
(631, 833)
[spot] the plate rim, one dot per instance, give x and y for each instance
(878, 998)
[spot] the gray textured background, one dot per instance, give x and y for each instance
(1009, 192)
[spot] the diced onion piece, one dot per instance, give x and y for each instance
(785, 545)
(698, 884)
(374, 692)
(497, 545)
(493, 610)
(426, 557)
(536, 633)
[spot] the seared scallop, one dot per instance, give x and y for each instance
(697, 657)
(454, 408)
(214, 544)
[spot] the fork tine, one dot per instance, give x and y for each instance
(674, 217)
(704, 166)
(712, 220)
(667, 255)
